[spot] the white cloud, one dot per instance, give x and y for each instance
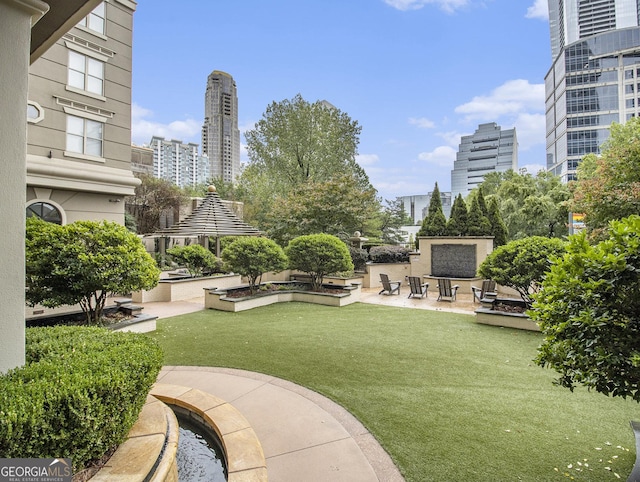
(452, 138)
(530, 129)
(448, 6)
(421, 122)
(367, 159)
(539, 10)
(143, 128)
(509, 99)
(441, 156)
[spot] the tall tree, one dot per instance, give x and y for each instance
(529, 205)
(458, 220)
(392, 217)
(295, 143)
(435, 223)
(153, 198)
(337, 206)
(608, 187)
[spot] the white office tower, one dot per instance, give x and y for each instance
(489, 149)
(594, 79)
(220, 133)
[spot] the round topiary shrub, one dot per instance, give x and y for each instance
(318, 255)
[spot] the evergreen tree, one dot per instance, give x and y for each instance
(478, 224)
(498, 228)
(482, 202)
(457, 224)
(435, 223)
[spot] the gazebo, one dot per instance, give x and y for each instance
(212, 218)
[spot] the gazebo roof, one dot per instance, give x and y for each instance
(210, 218)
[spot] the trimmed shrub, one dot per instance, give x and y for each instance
(252, 256)
(589, 311)
(196, 258)
(318, 255)
(389, 254)
(522, 264)
(78, 395)
(359, 256)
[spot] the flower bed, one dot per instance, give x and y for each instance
(240, 298)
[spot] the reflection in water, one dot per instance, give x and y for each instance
(199, 456)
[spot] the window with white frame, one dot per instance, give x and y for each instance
(86, 73)
(95, 20)
(84, 136)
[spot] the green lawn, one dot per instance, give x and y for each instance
(448, 399)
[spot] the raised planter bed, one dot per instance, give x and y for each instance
(184, 288)
(224, 299)
(505, 312)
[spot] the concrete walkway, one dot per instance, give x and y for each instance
(304, 436)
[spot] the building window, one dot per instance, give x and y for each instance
(95, 20)
(45, 211)
(84, 136)
(86, 73)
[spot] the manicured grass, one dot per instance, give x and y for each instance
(448, 399)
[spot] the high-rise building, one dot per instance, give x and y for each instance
(489, 149)
(594, 79)
(417, 207)
(179, 163)
(220, 133)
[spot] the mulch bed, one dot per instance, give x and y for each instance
(509, 308)
(268, 289)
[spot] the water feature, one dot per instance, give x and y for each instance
(199, 457)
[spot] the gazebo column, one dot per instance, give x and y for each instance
(16, 17)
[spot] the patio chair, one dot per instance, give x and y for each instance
(488, 287)
(446, 291)
(389, 287)
(417, 288)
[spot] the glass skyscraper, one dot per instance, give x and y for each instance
(594, 79)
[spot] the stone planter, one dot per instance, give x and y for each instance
(217, 299)
(488, 315)
(179, 289)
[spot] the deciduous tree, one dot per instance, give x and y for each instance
(529, 205)
(608, 186)
(153, 199)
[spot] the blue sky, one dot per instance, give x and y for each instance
(415, 74)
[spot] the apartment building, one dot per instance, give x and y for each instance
(78, 164)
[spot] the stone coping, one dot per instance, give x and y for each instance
(218, 299)
(149, 453)
(243, 451)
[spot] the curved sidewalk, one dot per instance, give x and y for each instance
(304, 435)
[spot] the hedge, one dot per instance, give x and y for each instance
(389, 254)
(78, 395)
